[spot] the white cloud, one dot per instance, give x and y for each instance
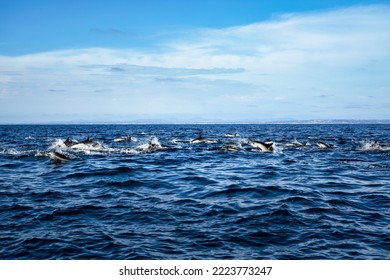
(290, 59)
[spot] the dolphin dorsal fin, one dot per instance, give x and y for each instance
(268, 144)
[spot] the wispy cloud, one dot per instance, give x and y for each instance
(168, 80)
(242, 70)
(153, 70)
(110, 31)
(117, 69)
(56, 90)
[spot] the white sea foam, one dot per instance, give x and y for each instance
(57, 144)
(11, 151)
(41, 154)
(128, 151)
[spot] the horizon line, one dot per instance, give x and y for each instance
(151, 122)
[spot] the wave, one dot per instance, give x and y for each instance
(23, 153)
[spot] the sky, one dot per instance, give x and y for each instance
(193, 61)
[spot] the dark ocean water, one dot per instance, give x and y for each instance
(123, 200)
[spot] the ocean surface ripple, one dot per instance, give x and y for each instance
(147, 192)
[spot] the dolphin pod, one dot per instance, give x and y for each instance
(154, 145)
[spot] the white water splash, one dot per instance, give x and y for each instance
(95, 148)
(373, 146)
(277, 148)
(152, 145)
(57, 144)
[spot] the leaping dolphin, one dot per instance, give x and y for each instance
(264, 146)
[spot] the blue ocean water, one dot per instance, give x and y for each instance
(156, 195)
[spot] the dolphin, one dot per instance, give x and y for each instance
(384, 147)
(229, 148)
(201, 139)
(123, 138)
(69, 142)
(56, 156)
(323, 145)
(85, 144)
(225, 148)
(230, 135)
(378, 146)
(296, 144)
(87, 141)
(264, 146)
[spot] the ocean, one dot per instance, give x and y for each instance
(154, 194)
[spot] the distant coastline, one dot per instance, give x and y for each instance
(199, 122)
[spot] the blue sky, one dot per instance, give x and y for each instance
(180, 61)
